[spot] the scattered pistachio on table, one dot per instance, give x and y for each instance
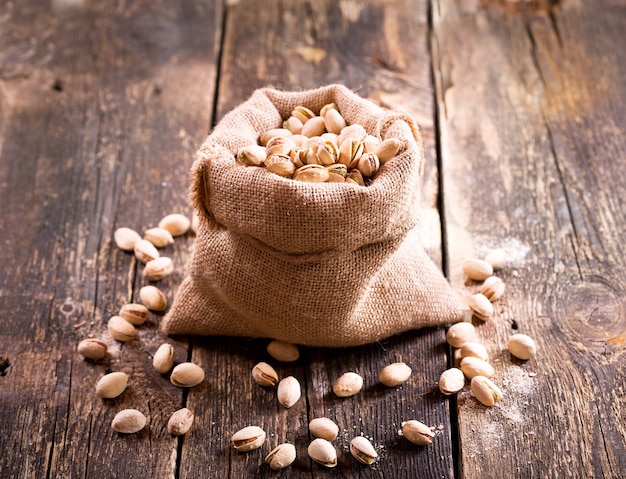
(121, 330)
(288, 392)
(180, 422)
(485, 390)
(248, 438)
(176, 223)
(281, 456)
(451, 381)
(417, 432)
(522, 346)
(163, 359)
(126, 238)
(362, 450)
(323, 452)
(348, 384)
(481, 306)
(134, 313)
(186, 375)
(153, 298)
(128, 421)
(92, 349)
(324, 428)
(395, 374)
(283, 351)
(111, 385)
(476, 367)
(264, 374)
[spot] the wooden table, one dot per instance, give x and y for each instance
(522, 107)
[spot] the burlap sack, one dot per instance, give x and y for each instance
(330, 264)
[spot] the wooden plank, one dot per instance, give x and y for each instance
(102, 105)
(531, 106)
(299, 45)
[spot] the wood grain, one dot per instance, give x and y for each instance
(526, 167)
(102, 106)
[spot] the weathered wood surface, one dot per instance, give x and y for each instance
(102, 105)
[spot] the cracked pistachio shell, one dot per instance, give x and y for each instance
(355, 177)
(145, 251)
(281, 456)
(370, 143)
(153, 298)
(323, 452)
(251, 155)
(134, 313)
(128, 421)
(269, 134)
(348, 384)
(125, 238)
(280, 165)
(481, 306)
(477, 269)
(121, 330)
(177, 224)
(303, 113)
(417, 432)
(492, 288)
(328, 153)
(311, 174)
(388, 148)
(248, 438)
(362, 450)
(522, 346)
(180, 422)
(324, 428)
(92, 349)
(159, 237)
(476, 367)
(334, 121)
(328, 106)
(451, 381)
(352, 132)
(485, 390)
(264, 374)
(283, 351)
(460, 333)
(368, 164)
(111, 385)
(279, 146)
(395, 374)
(158, 268)
(474, 349)
(186, 375)
(349, 151)
(288, 392)
(163, 359)
(293, 124)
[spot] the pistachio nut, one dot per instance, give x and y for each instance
(311, 174)
(186, 375)
(355, 177)
(333, 120)
(337, 172)
(481, 306)
(370, 144)
(92, 349)
(293, 124)
(159, 237)
(324, 428)
(522, 346)
(476, 367)
(280, 165)
(153, 298)
(362, 450)
(302, 113)
(314, 127)
(474, 349)
(158, 268)
(128, 421)
(180, 422)
(134, 313)
(298, 157)
(485, 390)
(299, 140)
(492, 288)
(125, 238)
(248, 438)
(288, 391)
(387, 149)
(322, 452)
(281, 456)
(177, 224)
(121, 329)
(163, 359)
(264, 374)
(348, 384)
(395, 374)
(145, 251)
(279, 146)
(328, 153)
(477, 269)
(352, 132)
(328, 106)
(497, 258)
(460, 333)
(283, 351)
(349, 151)
(311, 156)
(417, 432)
(269, 134)
(451, 381)
(368, 164)
(111, 385)
(252, 155)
